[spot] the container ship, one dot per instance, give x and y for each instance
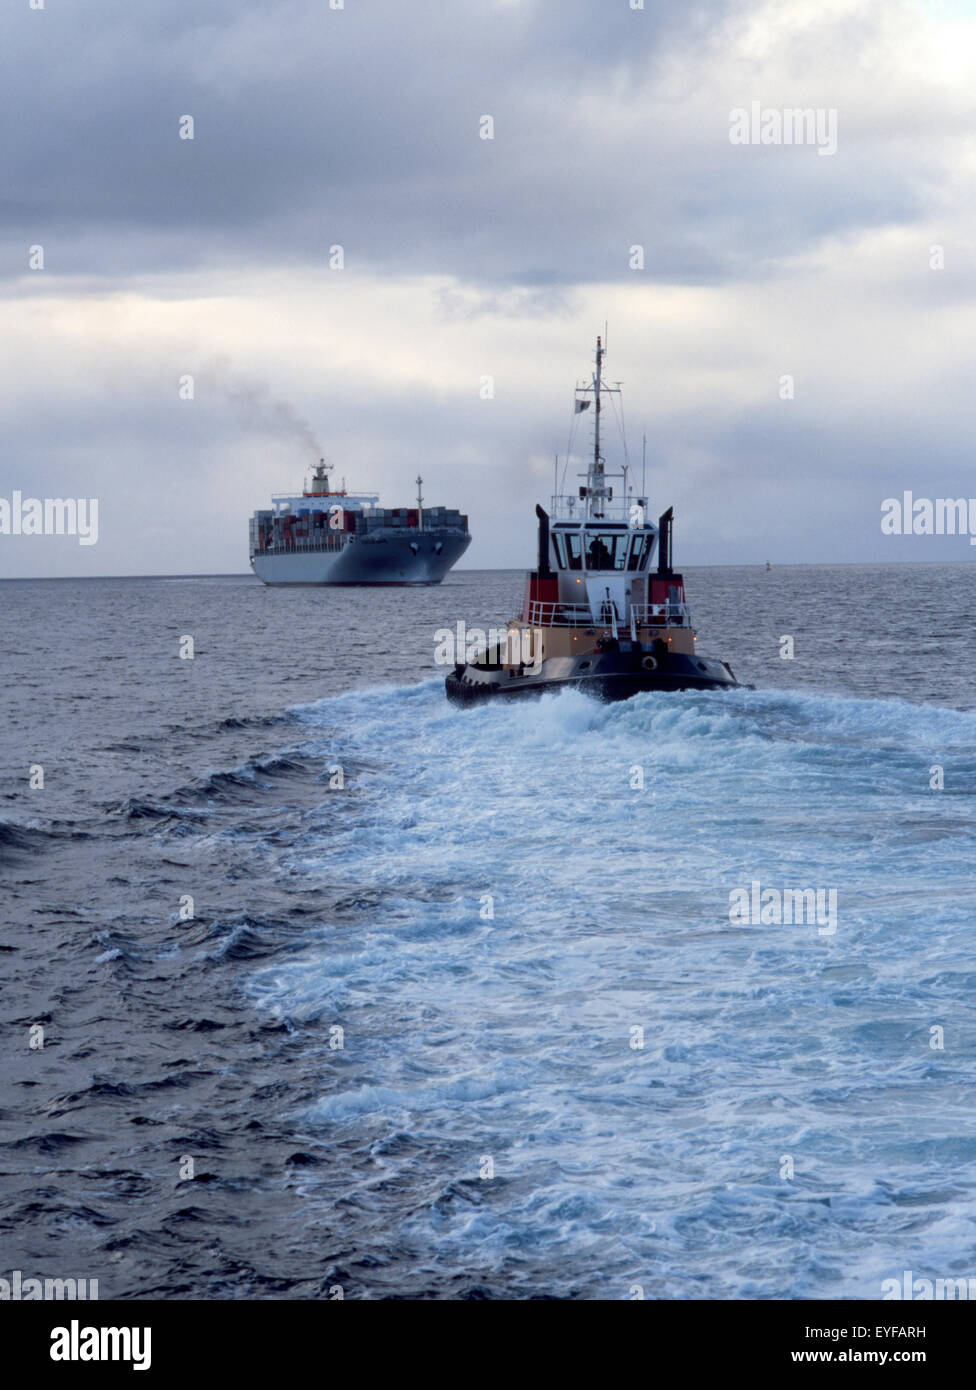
(325, 535)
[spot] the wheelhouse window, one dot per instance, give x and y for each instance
(640, 552)
(606, 550)
(559, 541)
(574, 550)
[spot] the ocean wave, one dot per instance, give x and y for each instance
(18, 839)
(544, 878)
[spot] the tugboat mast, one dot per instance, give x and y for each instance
(596, 488)
(594, 498)
(596, 482)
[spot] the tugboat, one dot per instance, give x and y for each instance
(595, 617)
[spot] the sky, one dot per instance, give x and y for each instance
(360, 126)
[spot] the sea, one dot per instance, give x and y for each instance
(313, 985)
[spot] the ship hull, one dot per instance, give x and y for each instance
(416, 559)
(607, 676)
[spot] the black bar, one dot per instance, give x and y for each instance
(279, 1338)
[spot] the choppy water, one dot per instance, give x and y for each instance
(488, 909)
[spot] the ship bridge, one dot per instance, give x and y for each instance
(294, 503)
(320, 496)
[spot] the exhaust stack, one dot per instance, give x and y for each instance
(544, 570)
(665, 523)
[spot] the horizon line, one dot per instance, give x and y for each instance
(492, 569)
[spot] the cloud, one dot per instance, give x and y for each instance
(361, 127)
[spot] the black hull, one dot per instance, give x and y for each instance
(608, 676)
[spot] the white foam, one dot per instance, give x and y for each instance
(511, 1035)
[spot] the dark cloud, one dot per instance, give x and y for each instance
(361, 127)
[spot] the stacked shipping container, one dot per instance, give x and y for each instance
(274, 530)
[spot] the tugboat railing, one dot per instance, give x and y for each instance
(580, 615)
(560, 615)
(676, 614)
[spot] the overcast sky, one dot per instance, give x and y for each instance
(466, 257)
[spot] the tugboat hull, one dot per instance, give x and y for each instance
(608, 676)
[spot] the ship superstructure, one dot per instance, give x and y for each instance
(326, 535)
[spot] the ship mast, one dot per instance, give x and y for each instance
(595, 496)
(596, 489)
(597, 461)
